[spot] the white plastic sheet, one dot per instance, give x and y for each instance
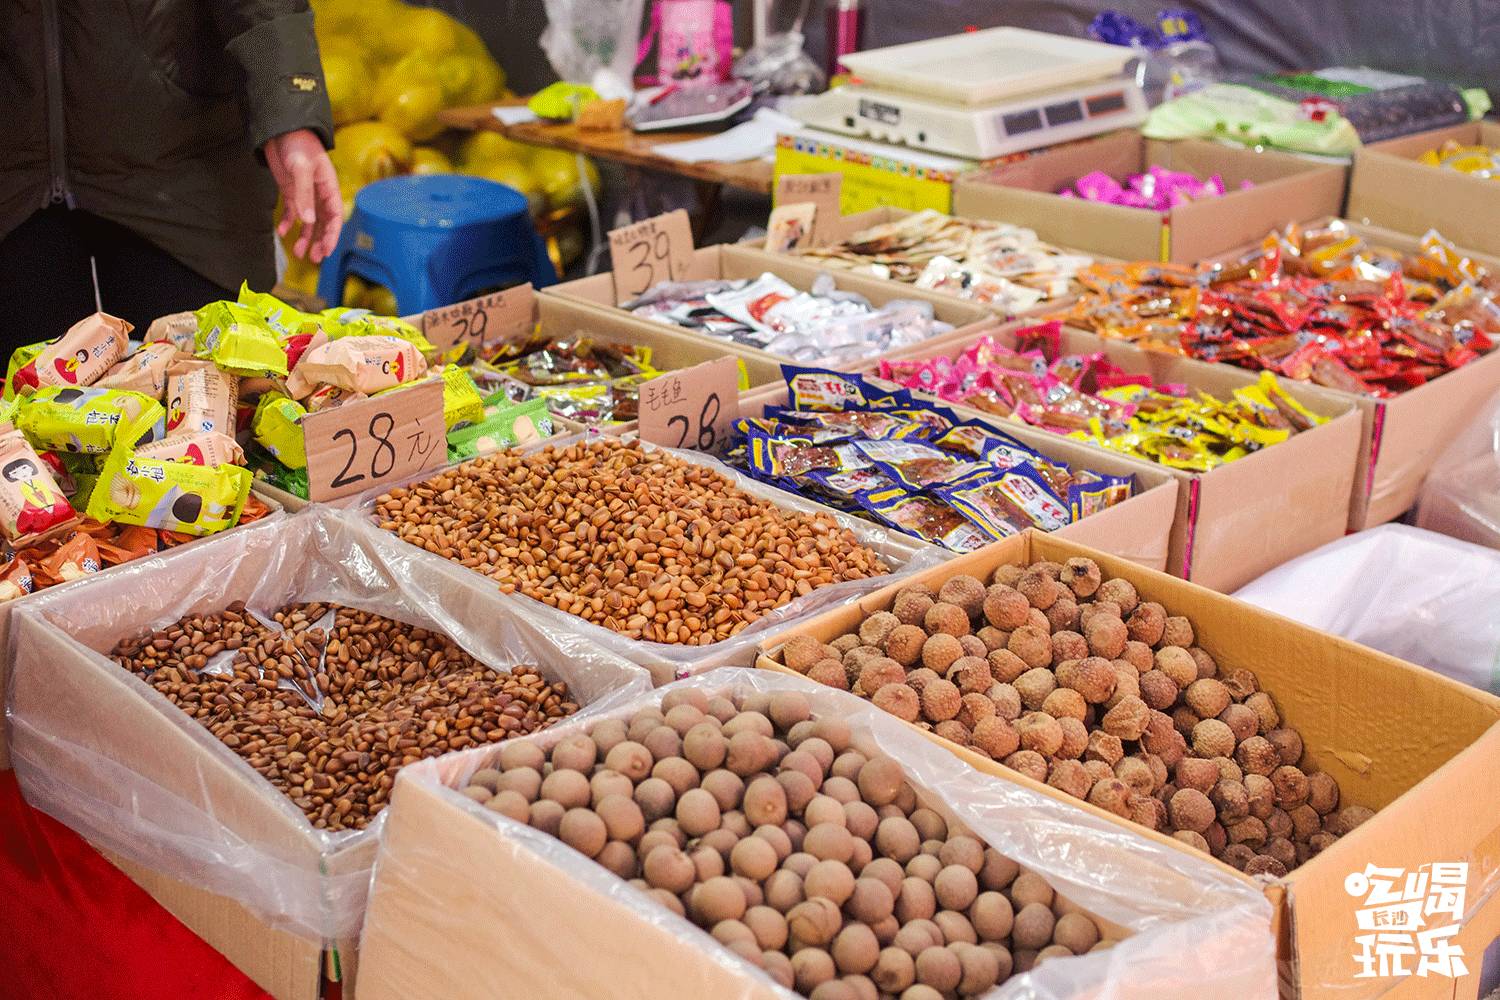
(666, 662)
(1195, 929)
(1417, 595)
(106, 754)
(1461, 495)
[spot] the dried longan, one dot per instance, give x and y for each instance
(1076, 932)
(829, 842)
(697, 812)
(726, 787)
(677, 772)
(1033, 926)
(939, 968)
(894, 970)
(916, 900)
(568, 788)
(508, 803)
(583, 830)
(955, 927)
(811, 968)
(880, 780)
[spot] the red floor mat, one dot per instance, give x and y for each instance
(75, 926)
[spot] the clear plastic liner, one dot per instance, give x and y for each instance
(1414, 594)
(665, 661)
(106, 754)
(1191, 928)
(1461, 495)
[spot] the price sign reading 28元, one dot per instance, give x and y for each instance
(375, 442)
(646, 253)
(693, 408)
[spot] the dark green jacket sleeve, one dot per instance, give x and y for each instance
(273, 43)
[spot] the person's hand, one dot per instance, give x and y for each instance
(309, 192)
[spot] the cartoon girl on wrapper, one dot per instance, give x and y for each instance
(41, 508)
(67, 368)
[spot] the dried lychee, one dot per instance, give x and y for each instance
(1064, 703)
(1127, 683)
(1212, 738)
(1177, 631)
(952, 729)
(1288, 744)
(966, 592)
(1106, 636)
(1241, 721)
(1158, 690)
(830, 672)
(874, 629)
(1322, 792)
(1075, 738)
(801, 652)
(1120, 591)
(1069, 776)
(1039, 589)
(899, 700)
(1241, 684)
(1031, 644)
(973, 646)
(940, 700)
(1206, 697)
(1068, 645)
(1028, 762)
(878, 673)
(1190, 809)
(1004, 607)
(1344, 822)
(1007, 701)
(1264, 864)
(1063, 615)
(1127, 719)
(1034, 686)
(1265, 711)
(995, 736)
(1006, 666)
(910, 607)
(971, 674)
(1257, 756)
(1139, 655)
(1147, 623)
(1196, 773)
(939, 651)
(946, 618)
(920, 678)
(1093, 677)
(1040, 732)
(974, 708)
(1291, 786)
(992, 637)
(1102, 746)
(1081, 576)
(1135, 773)
(1250, 831)
(1262, 795)
(1206, 665)
(904, 644)
(1112, 795)
(1175, 662)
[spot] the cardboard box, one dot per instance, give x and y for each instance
(1240, 519)
(7, 608)
(847, 225)
(1401, 438)
(1417, 747)
(1287, 189)
(1391, 188)
(98, 749)
(726, 261)
(1138, 529)
(468, 904)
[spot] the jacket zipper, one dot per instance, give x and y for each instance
(58, 194)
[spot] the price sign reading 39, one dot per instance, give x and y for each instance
(646, 253)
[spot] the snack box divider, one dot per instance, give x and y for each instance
(270, 499)
(1391, 188)
(1418, 747)
(597, 293)
(1401, 438)
(1243, 518)
(1137, 529)
(1287, 188)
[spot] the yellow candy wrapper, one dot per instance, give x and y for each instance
(90, 420)
(344, 322)
(277, 427)
(462, 404)
(285, 320)
(238, 340)
(175, 496)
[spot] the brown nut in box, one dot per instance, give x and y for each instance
(1357, 713)
(198, 822)
(795, 877)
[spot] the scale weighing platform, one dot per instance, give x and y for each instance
(982, 94)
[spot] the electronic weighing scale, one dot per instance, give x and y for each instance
(982, 94)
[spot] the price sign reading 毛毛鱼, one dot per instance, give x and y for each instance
(483, 322)
(375, 442)
(692, 408)
(646, 253)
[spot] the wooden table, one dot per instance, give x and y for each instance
(633, 149)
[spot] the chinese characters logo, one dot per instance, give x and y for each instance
(1409, 919)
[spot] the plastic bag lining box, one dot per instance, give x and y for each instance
(727, 261)
(1401, 438)
(270, 498)
(214, 842)
(1138, 529)
(1240, 519)
(467, 904)
(666, 662)
(1391, 188)
(1287, 188)
(1421, 749)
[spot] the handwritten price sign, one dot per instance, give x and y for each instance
(483, 323)
(646, 253)
(692, 408)
(375, 442)
(820, 190)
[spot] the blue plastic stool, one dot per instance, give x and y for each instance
(436, 239)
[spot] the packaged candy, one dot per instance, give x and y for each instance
(1479, 161)
(15, 579)
(75, 559)
(144, 372)
(916, 465)
(362, 364)
(462, 404)
(823, 389)
(200, 398)
(1158, 189)
(170, 495)
(342, 321)
(77, 358)
(285, 320)
(927, 518)
(1007, 501)
(238, 340)
(31, 502)
(511, 424)
(178, 329)
(277, 427)
(195, 448)
(90, 420)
